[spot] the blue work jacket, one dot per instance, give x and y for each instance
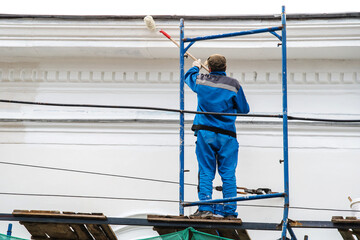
(216, 93)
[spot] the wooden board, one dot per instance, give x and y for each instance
(169, 218)
(58, 231)
(81, 232)
(243, 234)
(66, 231)
(348, 233)
(96, 231)
(207, 230)
(57, 214)
(229, 233)
(166, 230)
(108, 231)
(35, 230)
(356, 232)
(340, 219)
(236, 234)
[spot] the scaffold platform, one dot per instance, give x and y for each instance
(55, 225)
(232, 233)
(57, 230)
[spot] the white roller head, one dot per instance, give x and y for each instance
(150, 23)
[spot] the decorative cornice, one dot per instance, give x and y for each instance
(276, 16)
(51, 37)
(28, 75)
(310, 16)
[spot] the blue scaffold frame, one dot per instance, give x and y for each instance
(285, 194)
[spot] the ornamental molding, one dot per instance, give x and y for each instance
(33, 75)
(121, 30)
(129, 38)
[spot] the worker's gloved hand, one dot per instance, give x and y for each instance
(197, 63)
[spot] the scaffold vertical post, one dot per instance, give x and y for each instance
(285, 126)
(182, 80)
(9, 231)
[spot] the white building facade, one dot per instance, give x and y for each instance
(116, 60)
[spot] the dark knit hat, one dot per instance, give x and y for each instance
(217, 62)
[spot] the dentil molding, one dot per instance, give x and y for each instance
(26, 75)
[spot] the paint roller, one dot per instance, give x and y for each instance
(150, 24)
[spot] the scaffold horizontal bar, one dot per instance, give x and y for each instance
(234, 199)
(145, 222)
(234, 34)
(139, 222)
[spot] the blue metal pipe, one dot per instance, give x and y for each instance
(292, 234)
(272, 29)
(276, 35)
(234, 199)
(188, 46)
(285, 126)
(182, 80)
(9, 229)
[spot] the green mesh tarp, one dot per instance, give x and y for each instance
(6, 237)
(187, 234)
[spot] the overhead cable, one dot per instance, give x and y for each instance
(93, 173)
(87, 197)
(177, 111)
(161, 200)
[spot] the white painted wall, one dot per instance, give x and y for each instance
(115, 63)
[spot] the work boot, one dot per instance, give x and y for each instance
(201, 214)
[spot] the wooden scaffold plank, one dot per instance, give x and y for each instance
(96, 231)
(356, 232)
(169, 218)
(58, 231)
(236, 234)
(108, 231)
(35, 230)
(348, 233)
(69, 231)
(81, 231)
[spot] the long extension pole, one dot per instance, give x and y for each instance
(285, 126)
(182, 80)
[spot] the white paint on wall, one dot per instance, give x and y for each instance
(95, 69)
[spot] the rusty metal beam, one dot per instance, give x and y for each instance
(145, 222)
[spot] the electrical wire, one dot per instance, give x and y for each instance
(323, 119)
(137, 199)
(299, 208)
(135, 107)
(86, 197)
(325, 209)
(145, 179)
(163, 200)
(93, 173)
(180, 111)
(148, 179)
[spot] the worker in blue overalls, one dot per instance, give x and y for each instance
(216, 134)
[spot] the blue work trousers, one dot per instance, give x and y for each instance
(222, 150)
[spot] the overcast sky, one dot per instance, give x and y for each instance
(174, 7)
